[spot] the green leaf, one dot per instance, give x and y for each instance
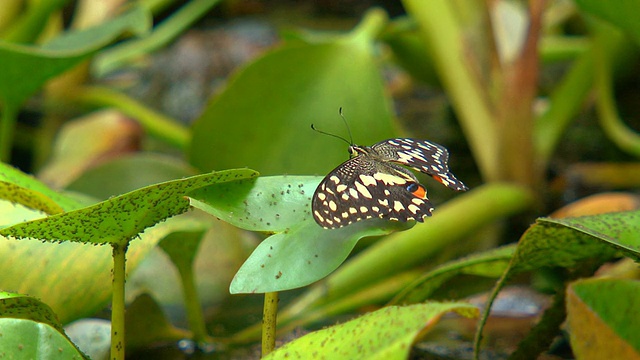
(24, 189)
(122, 218)
(262, 119)
(621, 13)
(267, 203)
(490, 263)
(17, 306)
(384, 334)
(31, 330)
(26, 68)
(598, 314)
(301, 251)
(571, 243)
(72, 278)
(303, 255)
(27, 339)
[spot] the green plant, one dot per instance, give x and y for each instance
(261, 120)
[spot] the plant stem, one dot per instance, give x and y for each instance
(192, 304)
(269, 320)
(155, 123)
(164, 33)
(7, 128)
(444, 36)
(608, 42)
(117, 302)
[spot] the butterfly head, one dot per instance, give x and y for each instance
(355, 150)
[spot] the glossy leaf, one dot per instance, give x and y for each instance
(262, 119)
(598, 314)
(31, 330)
(303, 255)
(384, 334)
(27, 339)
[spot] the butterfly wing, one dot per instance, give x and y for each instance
(362, 188)
(425, 156)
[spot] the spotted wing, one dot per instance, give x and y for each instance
(362, 188)
(425, 156)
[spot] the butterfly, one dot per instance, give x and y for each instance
(374, 183)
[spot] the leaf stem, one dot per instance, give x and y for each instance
(157, 124)
(117, 302)
(7, 128)
(269, 320)
(192, 304)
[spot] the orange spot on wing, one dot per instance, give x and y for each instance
(420, 192)
(438, 178)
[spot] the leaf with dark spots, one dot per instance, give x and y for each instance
(121, 218)
(387, 333)
(296, 237)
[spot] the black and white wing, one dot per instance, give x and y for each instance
(362, 188)
(425, 156)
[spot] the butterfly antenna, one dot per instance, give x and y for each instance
(347, 126)
(332, 135)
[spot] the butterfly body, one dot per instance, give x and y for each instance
(374, 184)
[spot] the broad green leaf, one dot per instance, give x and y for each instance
(621, 13)
(24, 189)
(267, 203)
(303, 255)
(31, 330)
(17, 306)
(73, 278)
(122, 218)
(262, 119)
(490, 263)
(26, 68)
(301, 251)
(598, 316)
(384, 334)
(28, 339)
(618, 230)
(571, 242)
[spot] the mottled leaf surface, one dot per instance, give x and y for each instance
(300, 251)
(384, 334)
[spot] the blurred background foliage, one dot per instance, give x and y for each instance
(536, 101)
